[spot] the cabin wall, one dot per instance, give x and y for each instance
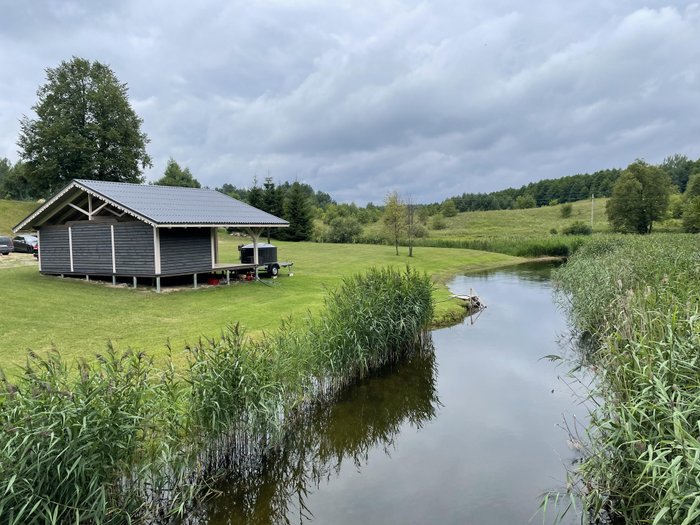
(185, 250)
(92, 248)
(134, 249)
(55, 254)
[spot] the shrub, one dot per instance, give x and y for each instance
(438, 222)
(523, 202)
(344, 230)
(578, 228)
(566, 210)
(419, 231)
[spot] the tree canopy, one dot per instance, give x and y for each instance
(85, 128)
(13, 181)
(176, 176)
(640, 197)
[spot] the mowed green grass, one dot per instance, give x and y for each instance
(79, 317)
(11, 212)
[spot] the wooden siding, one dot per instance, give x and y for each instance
(92, 248)
(185, 250)
(133, 243)
(55, 255)
(182, 250)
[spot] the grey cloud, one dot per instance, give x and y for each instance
(358, 99)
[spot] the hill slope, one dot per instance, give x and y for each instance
(11, 212)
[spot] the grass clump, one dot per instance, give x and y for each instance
(638, 297)
(118, 439)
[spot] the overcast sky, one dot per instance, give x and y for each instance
(361, 98)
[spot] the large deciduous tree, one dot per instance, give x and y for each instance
(639, 198)
(176, 176)
(85, 128)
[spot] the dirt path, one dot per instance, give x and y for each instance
(14, 260)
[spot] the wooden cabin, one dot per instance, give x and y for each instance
(117, 229)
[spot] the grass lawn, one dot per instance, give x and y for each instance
(79, 317)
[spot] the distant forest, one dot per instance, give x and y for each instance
(570, 188)
(271, 197)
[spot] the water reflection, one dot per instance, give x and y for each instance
(391, 452)
(368, 417)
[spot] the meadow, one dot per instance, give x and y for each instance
(78, 318)
(531, 232)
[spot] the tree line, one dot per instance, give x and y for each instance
(86, 128)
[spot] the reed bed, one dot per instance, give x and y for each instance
(118, 440)
(541, 246)
(638, 298)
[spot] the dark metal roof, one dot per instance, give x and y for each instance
(165, 205)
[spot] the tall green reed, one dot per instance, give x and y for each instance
(639, 299)
(538, 246)
(116, 439)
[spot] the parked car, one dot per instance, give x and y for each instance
(26, 243)
(6, 245)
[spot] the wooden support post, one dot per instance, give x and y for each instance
(114, 280)
(70, 247)
(195, 281)
(38, 237)
(134, 282)
(228, 276)
(157, 284)
(87, 277)
(114, 252)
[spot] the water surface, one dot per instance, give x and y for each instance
(469, 434)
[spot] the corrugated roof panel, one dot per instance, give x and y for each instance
(175, 205)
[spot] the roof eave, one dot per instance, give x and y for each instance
(219, 225)
(29, 218)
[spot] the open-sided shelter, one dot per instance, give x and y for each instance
(103, 228)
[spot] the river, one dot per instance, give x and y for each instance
(468, 434)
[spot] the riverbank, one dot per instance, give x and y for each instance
(79, 317)
(638, 300)
(117, 438)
